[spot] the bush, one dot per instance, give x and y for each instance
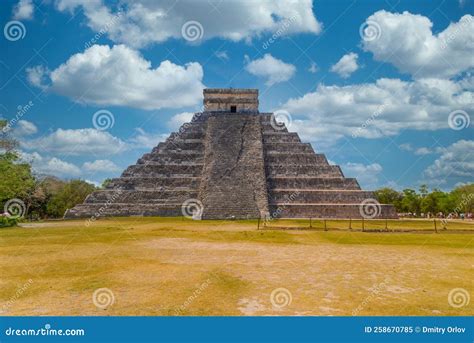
(7, 222)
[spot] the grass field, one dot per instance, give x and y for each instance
(171, 266)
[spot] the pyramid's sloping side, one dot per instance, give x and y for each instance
(158, 184)
(302, 184)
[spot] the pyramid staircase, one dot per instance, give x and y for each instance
(234, 165)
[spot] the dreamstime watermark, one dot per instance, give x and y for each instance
(370, 31)
(369, 121)
(275, 214)
(192, 31)
(370, 208)
(103, 298)
(280, 298)
(21, 111)
(459, 297)
(279, 32)
(192, 209)
(19, 292)
(461, 27)
(15, 208)
(458, 120)
(45, 331)
(465, 200)
(280, 120)
(189, 300)
(102, 209)
(376, 289)
(103, 120)
(104, 29)
(14, 30)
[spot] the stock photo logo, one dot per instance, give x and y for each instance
(459, 297)
(103, 120)
(370, 31)
(15, 208)
(192, 209)
(281, 120)
(370, 208)
(281, 298)
(14, 30)
(103, 298)
(458, 120)
(192, 31)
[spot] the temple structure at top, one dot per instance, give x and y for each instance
(231, 100)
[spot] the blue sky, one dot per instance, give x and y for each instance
(384, 88)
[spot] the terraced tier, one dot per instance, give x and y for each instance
(158, 184)
(329, 210)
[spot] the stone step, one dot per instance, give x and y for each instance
(194, 134)
(280, 137)
(167, 163)
(293, 147)
(133, 196)
(96, 211)
(287, 158)
(335, 210)
(318, 196)
(174, 158)
(154, 183)
(303, 170)
(163, 170)
(298, 182)
(178, 152)
(179, 146)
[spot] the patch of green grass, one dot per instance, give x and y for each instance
(427, 240)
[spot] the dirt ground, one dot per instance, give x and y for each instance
(146, 267)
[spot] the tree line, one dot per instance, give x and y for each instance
(48, 197)
(457, 203)
(42, 197)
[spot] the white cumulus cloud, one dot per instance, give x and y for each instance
(455, 164)
(78, 142)
(24, 128)
(366, 175)
(374, 110)
(100, 166)
(146, 140)
(346, 65)
(143, 22)
(50, 166)
(407, 41)
(120, 76)
(24, 10)
(272, 69)
(179, 119)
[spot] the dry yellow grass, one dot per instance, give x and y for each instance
(170, 266)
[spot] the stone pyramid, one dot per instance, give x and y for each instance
(231, 161)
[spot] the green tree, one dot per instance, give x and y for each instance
(389, 196)
(45, 189)
(462, 199)
(410, 201)
(16, 178)
(7, 143)
(74, 192)
(424, 190)
(105, 183)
